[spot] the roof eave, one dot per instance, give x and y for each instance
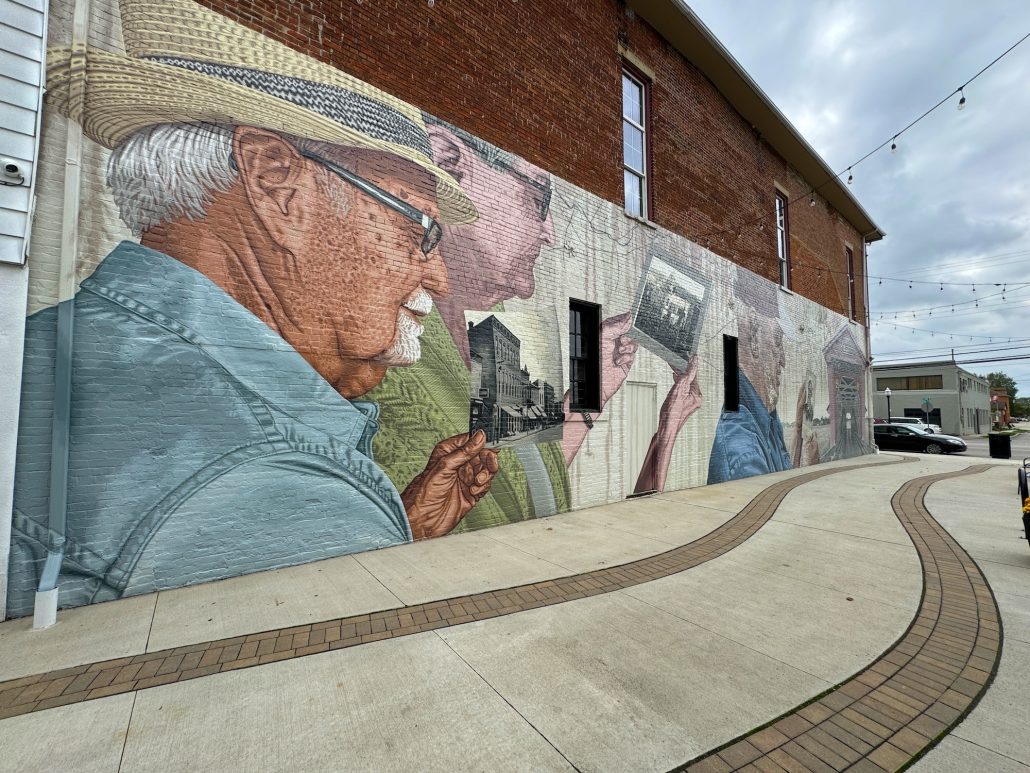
(698, 45)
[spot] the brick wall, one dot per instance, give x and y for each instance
(543, 81)
(211, 437)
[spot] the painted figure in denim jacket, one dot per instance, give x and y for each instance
(289, 218)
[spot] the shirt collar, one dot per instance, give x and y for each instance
(187, 303)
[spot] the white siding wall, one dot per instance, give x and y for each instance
(22, 29)
(22, 35)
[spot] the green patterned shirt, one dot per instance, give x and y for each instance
(428, 402)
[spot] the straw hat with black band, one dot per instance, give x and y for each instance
(186, 64)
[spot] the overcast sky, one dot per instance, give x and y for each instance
(956, 195)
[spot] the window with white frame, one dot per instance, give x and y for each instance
(851, 282)
(634, 143)
(783, 238)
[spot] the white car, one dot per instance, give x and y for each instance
(933, 428)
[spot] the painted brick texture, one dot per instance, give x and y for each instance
(282, 372)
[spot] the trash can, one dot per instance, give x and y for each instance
(1000, 445)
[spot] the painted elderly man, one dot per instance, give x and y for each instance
(750, 440)
(215, 366)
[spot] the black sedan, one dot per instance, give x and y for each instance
(906, 437)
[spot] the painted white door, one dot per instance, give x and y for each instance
(640, 413)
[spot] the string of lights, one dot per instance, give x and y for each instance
(892, 141)
(951, 334)
(952, 306)
(796, 267)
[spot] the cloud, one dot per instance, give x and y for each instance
(956, 193)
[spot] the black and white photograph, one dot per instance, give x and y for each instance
(670, 310)
(515, 388)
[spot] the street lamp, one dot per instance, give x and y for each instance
(887, 392)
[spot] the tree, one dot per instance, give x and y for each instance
(1021, 407)
(1000, 380)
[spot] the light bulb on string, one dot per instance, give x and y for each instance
(851, 177)
(962, 100)
(910, 285)
(880, 282)
(942, 287)
(894, 145)
(811, 200)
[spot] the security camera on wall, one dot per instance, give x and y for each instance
(12, 172)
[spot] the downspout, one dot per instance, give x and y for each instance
(45, 611)
(870, 411)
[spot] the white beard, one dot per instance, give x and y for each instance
(406, 348)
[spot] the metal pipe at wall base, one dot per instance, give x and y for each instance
(45, 613)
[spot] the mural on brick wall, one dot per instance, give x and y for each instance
(272, 357)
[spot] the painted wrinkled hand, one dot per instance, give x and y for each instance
(458, 474)
(684, 398)
(618, 351)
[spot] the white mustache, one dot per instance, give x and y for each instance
(406, 349)
(420, 302)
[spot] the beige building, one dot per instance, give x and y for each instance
(958, 401)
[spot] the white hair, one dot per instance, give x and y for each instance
(172, 170)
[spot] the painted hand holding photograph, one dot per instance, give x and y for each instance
(670, 310)
(515, 391)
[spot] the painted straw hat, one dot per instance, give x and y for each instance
(185, 63)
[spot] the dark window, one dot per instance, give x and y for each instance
(783, 239)
(584, 356)
(851, 282)
(636, 151)
(910, 382)
(731, 386)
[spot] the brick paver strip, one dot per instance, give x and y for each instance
(97, 680)
(896, 709)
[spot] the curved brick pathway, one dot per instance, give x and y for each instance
(111, 677)
(900, 706)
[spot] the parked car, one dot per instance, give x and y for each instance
(914, 420)
(910, 437)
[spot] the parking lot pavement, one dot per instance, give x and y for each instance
(978, 445)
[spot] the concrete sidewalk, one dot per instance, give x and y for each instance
(646, 676)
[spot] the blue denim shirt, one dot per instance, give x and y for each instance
(748, 441)
(203, 445)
